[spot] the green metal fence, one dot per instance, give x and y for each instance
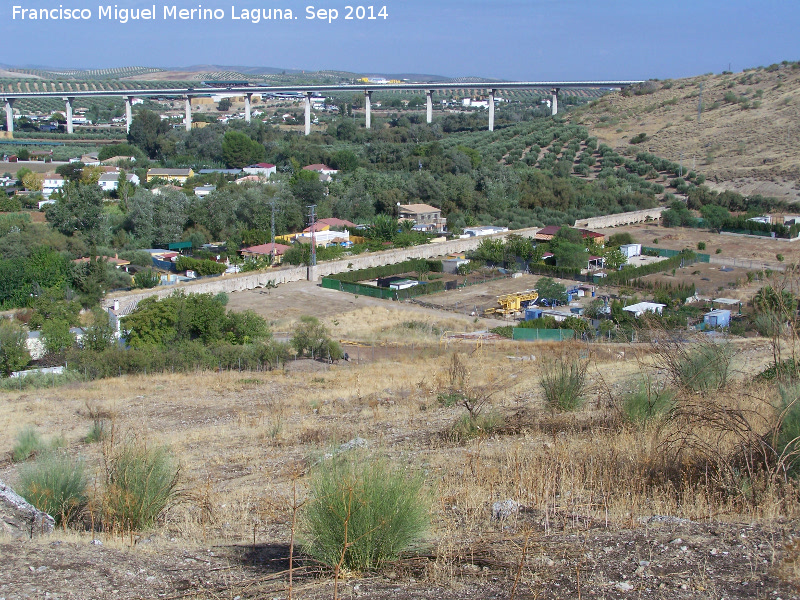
(670, 253)
(550, 335)
(358, 288)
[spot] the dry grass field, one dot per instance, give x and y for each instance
(606, 509)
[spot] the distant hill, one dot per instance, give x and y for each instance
(195, 72)
(748, 137)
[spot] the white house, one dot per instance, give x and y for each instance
(204, 190)
(640, 308)
(321, 169)
(265, 169)
(110, 181)
(470, 103)
(52, 182)
(325, 238)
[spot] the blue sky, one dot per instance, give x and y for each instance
(508, 39)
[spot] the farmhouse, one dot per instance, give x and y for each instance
(423, 214)
(110, 181)
(263, 250)
(329, 223)
(263, 169)
(175, 175)
(52, 182)
(325, 238)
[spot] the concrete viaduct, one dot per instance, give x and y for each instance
(306, 92)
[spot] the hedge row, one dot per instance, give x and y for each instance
(744, 225)
(189, 356)
(630, 273)
(202, 267)
(434, 266)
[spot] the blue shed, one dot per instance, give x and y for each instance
(532, 313)
(717, 318)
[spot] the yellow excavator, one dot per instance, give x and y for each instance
(509, 304)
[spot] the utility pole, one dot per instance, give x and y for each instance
(272, 252)
(312, 219)
(700, 104)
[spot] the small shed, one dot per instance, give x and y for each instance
(630, 250)
(403, 284)
(640, 308)
(719, 317)
(532, 313)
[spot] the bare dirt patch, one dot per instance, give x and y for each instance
(745, 248)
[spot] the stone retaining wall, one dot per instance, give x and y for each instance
(636, 216)
(125, 302)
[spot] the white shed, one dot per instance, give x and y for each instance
(640, 308)
(630, 250)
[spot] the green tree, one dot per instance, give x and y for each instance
(312, 338)
(570, 255)
(14, 353)
(714, 216)
(33, 182)
(614, 259)
(383, 228)
(307, 187)
(147, 278)
(79, 209)
(224, 105)
(99, 335)
(549, 289)
(345, 160)
(246, 327)
(491, 250)
(146, 128)
(620, 239)
(71, 171)
(239, 150)
(57, 336)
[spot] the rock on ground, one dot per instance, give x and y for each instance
(19, 518)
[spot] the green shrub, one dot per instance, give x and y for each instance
(140, 484)
(97, 432)
(788, 430)
(705, 368)
(28, 444)
(56, 484)
(564, 383)
(148, 278)
(701, 245)
(362, 513)
(507, 331)
(647, 402)
(468, 427)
